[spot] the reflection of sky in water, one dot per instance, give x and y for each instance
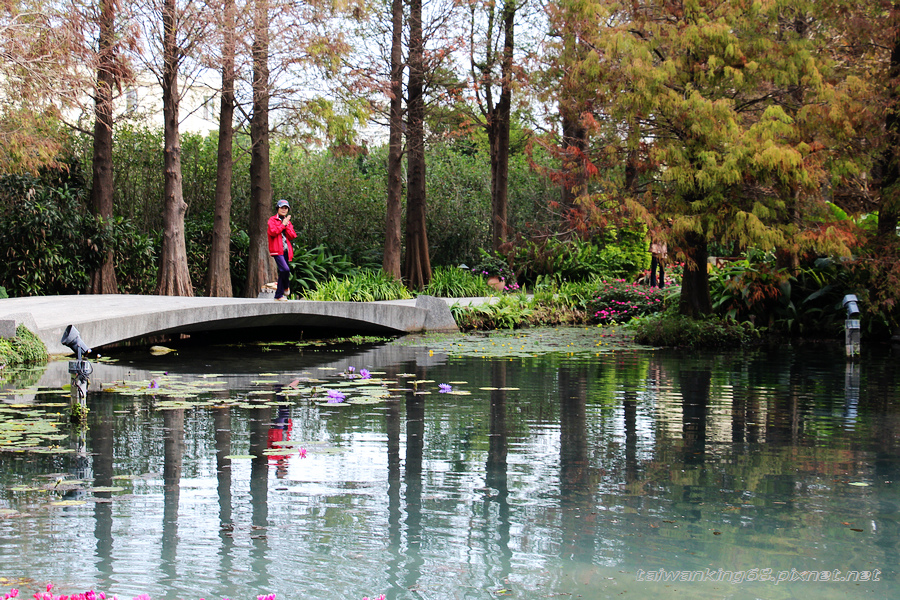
(586, 472)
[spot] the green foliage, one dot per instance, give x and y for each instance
(619, 301)
(608, 256)
(3, 293)
(24, 349)
(454, 282)
(670, 329)
(363, 285)
(807, 302)
(313, 265)
(337, 200)
(50, 242)
(508, 312)
(136, 263)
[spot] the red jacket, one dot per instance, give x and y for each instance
(275, 230)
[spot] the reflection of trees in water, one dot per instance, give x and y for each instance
(101, 427)
(578, 477)
(415, 446)
(260, 420)
(222, 435)
(497, 534)
(173, 454)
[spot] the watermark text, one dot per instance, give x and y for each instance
(768, 575)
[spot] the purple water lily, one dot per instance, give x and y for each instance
(335, 396)
(364, 373)
(445, 388)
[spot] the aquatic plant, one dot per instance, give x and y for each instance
(335, 396)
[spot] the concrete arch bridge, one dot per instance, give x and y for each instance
(107, 320)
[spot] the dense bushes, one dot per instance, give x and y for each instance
(24, 349)
(669, 329)
(49, 243)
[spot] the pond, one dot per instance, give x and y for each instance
(538, 464)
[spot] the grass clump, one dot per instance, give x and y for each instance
(508, 312)
(24, 349)
(365, 285)
(674, 330)
(454, 282)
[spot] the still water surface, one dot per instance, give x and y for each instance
(763, 474)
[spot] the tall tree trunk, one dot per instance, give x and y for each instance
(394, 208)
(218, 282)
(498, 135)
(695, 300)
(103, 280)
(260, 180)
(174, 277)
(889, 211)
(417, 268)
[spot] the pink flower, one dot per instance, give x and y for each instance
(302, 452)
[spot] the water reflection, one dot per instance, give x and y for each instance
(173, 456)
(553, 477)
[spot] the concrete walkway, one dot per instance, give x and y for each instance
(107, 319)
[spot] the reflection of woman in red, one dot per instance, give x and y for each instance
(280, 431)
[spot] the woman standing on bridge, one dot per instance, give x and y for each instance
(281, 232)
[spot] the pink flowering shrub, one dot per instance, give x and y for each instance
(619, 301)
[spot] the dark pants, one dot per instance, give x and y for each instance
(284, 274)
(654, 262)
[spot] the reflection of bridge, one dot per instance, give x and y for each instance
(103, 320)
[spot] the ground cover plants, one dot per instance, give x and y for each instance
(23, 349)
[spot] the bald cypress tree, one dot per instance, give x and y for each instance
(712, 87)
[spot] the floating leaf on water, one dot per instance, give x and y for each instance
(488, 389)
(458, 382)
(240, 456)
(279, 451)
(508, 389)
(366, 400)
(859, 483)
(68, 503)
(460, 393)
(7, 512)
(328, 368)
(24, 488)
(105, 488)
(127, 477)
(264, 382)
(334, 404)
(406, 375)
(52, 450)
(160, 350)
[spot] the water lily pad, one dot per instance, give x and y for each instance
(859, 483)
(160, 350)
(68, 503)
(105, 488)
(240, 456)
(366, 400)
